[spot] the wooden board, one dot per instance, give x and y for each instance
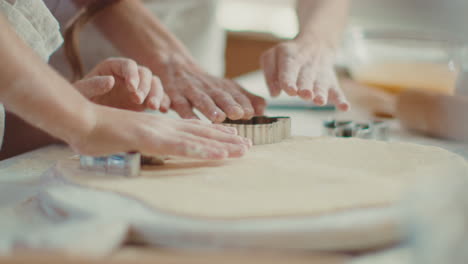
(347, 205)
(142, 255)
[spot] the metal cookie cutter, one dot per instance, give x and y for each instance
(262, 129)
(124, 164)
(378, 130)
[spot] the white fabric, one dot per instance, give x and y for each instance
(191, 21)
(33, 23)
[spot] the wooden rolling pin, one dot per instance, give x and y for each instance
(434, 114)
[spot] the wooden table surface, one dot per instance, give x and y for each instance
(28, 167)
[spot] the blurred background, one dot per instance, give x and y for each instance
(255, 25)
(388, 48)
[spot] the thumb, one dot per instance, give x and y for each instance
(95, 86)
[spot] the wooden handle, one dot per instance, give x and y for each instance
(434, 114)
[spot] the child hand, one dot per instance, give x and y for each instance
(122, 83)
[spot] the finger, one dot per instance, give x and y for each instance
(268, 64)
(320, 94)
(165, 104)
(222, 128)
(146, 77)
(209, 132)
(185, 146)
(225, 129)
(155, 95)
(242, 99)
(126, 69)
(258, 103)
(321, 87)
(337, 96)
(201, 101)
(288, 71)
(183, 107)
(95, 86)
(338, 99)
(306, 80)
(233, 150)
(225, 101)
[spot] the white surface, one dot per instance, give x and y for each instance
(36, 222)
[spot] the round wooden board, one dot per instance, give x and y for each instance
(348, 204)
(351, 230)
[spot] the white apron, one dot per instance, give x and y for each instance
(33, 23)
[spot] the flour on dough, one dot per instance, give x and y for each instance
(300, 176)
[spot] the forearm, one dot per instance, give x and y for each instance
(21, 137)
(322, 19)
(140, 35)
(37, 94)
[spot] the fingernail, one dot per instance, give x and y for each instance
(215, 115)
(237, 112)
(291, 91)
(222, 154)
(319, 100)
(231, 130)
(305, 94)
(344, 106)
(218, 116)
(247, 142)
(243, 150)
(137, 99)
(155, 103)
(134, 83)
(141, 95)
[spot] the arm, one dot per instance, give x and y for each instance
(38, 95)
(322, 19)
(304, 66)
(140, 36)
(33, 91)
(143, 38)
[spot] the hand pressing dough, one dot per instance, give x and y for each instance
(301, 176)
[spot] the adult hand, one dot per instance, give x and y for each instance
(117, 131)
(121, 83)
(190, 87)
(303, 67)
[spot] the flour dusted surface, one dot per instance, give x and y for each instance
(300, 176)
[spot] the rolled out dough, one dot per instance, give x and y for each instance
(301, 176)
